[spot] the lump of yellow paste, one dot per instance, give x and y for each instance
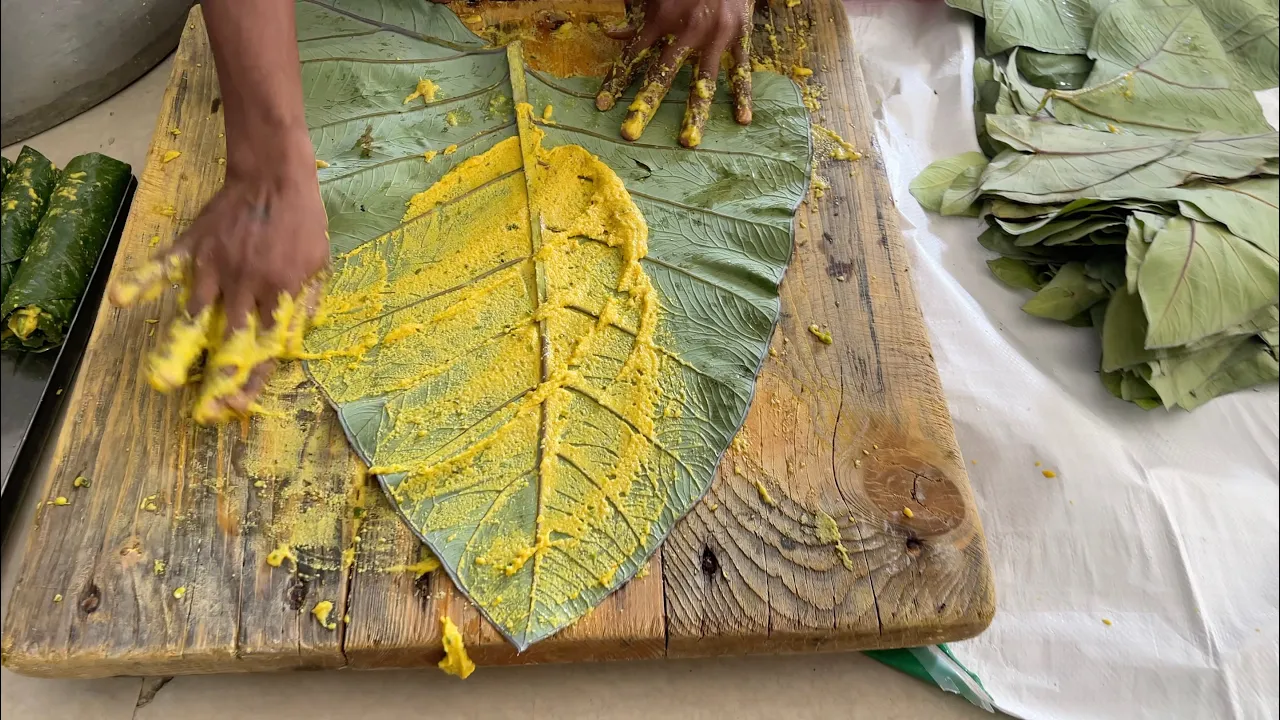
(823, 336)
(322, 611)
(455, 662)
(170, 155)
(426, 90)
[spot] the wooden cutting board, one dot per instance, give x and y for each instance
(160, 566)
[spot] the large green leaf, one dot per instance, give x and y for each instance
(1057, 26)
(1159, 69)
(1197, 279)
(1058, 163)
(491, 350)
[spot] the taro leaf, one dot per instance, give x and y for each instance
(1107, 268)
(1070, 293)
(959, 198)
(972, 6)
(1249, 31)
(1174, 378)
(1052, 71)
(1060, 163)
(991, 94)
(1249, 208)
(541, 397)
(1251, 363)
(1016, 273)
(1198, 279)
(1061, 26)
(1159, 69)
(998, 241)
(1135, 252)
(931, 184)
(1026, 98)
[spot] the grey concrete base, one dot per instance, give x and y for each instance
(62, 57)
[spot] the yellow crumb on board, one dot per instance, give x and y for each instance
(1038, 463)
(425, 89)
(166, 210)
(1106, 621)
(154, 241)
(1049, 473)
(451, 150)
(158, 567)
(170, 155)
(149, 503)
(283, 552)
(175, 132)
(455, 662)
(765, 497)
(81, 482)
(322, 611)
(57, 598)
(320, 164)
(60, 500)
(429, 155)
(180, 592)
(823, 336)
(906, 511)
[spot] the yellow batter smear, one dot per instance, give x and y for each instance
(170, 155)
(515, 339)
(455, 662)
(829, 532)
(426, 90)
(828, 142)
(322, 611)
(763, 492)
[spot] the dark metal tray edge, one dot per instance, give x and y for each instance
(36, 435)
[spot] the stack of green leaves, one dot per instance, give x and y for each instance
(1128, 178)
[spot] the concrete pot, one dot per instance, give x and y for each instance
(59, 58)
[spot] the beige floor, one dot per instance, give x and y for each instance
(811, 686)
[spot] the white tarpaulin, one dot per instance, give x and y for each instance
(1165, 524)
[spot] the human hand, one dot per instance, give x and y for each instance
(676, 30)
(247, 270)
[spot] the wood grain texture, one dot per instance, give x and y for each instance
(736, 576)
(857, 430)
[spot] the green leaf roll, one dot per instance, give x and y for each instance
(26, 192)
(55, 270)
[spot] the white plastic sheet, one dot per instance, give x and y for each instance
(1163, 523)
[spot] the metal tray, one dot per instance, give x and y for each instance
(32, 385)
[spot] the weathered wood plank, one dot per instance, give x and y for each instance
(857, 430)
(738, 575)
(171, 506)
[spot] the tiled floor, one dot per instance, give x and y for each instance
(809, 686)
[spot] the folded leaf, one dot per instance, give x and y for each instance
(1249, 208)
(1016, 273)
(1070, 293)
(931, 184)
(1060, 163)
(960, 196)
(1052, 71)
(1198, 279)
(1159, 69)
(1251, 363)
